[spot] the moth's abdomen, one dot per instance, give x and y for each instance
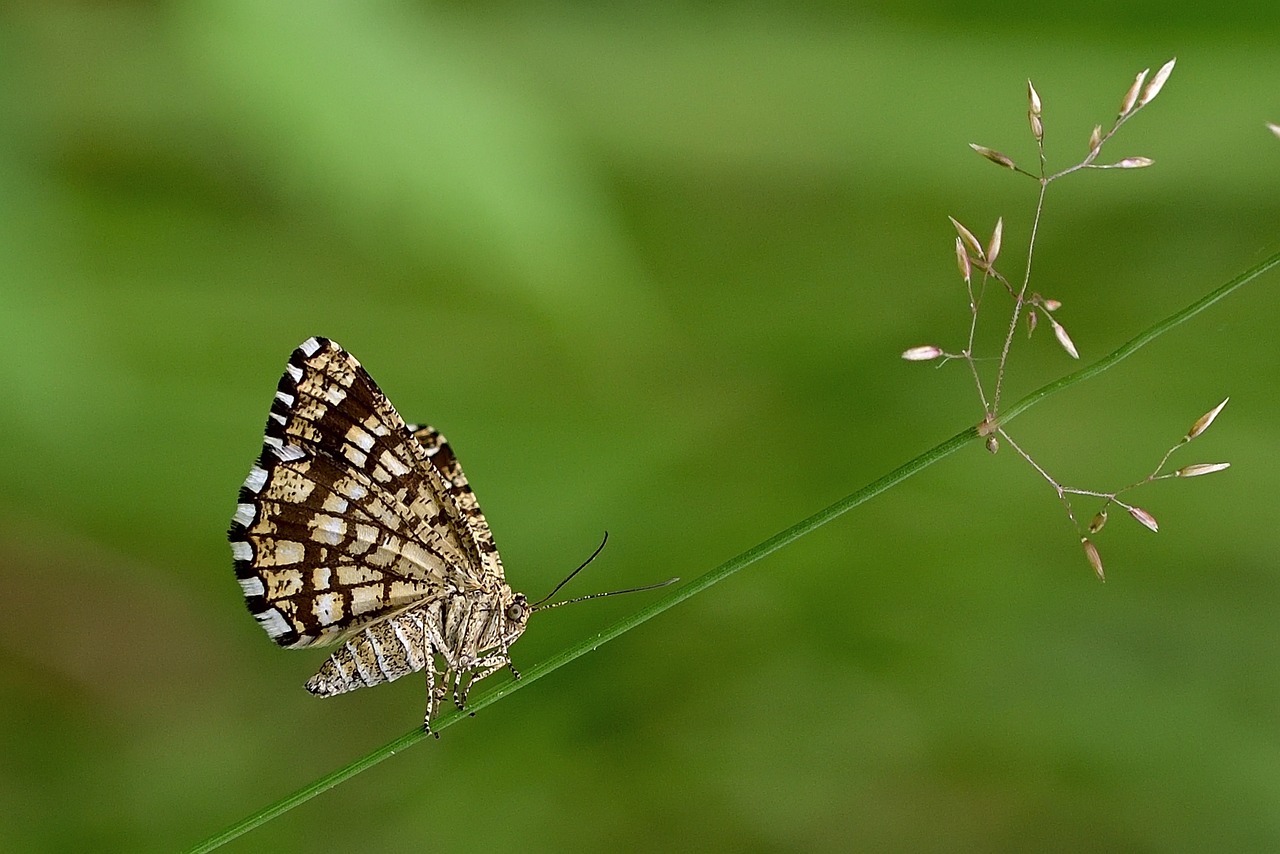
(383, 652)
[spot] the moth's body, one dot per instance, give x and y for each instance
(355, 528)
(457, 639)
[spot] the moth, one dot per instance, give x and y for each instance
(356, 529)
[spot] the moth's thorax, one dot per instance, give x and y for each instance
(478, 621)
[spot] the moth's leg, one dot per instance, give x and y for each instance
(462, 685)
(434, 693)
(433, 699)
(449, 685)
(506, 660)
(463, 689)
(438, 678)
(484, 667)
(463, 679)
(460, 694)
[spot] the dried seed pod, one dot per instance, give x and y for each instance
(1033, 99)
(1031, 322)
(1099, 520)
(923, 353)
(1131, 97)
(993, 247)
(1157, 82)
(968, 236)
(994, 156)
(1095, 138)
(993, 444)
(1064, 339)
(1144, 518)
(1197, 469)
(1203, 422)
(962, 261)
(1095, 559)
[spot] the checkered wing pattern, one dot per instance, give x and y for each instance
(347, 519)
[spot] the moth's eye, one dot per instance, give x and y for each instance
(515, 611)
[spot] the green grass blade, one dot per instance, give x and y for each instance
(729, 567)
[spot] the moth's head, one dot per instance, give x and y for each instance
(516, 614)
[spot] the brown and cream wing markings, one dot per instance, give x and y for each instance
(343, 519)
(354, 529)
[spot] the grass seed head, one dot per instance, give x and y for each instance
(967, 236)
(923, 353)
(962, 261)
(994, 156)
(1144, 518)
(1157, 83)
(993, 247)
(1197, 469)
(1131, 97)
(1064, 339)
(1203, 422)
(1095, 559)
(1099, 520)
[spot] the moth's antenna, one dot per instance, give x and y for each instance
(570, 576)
(538, 606)
(666, 583)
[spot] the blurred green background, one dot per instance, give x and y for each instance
(650, 269)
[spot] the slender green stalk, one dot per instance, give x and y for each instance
(1140, 340)
(734, 564)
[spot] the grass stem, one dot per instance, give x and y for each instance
(734, 564)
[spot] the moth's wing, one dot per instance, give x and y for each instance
(341, 522)
(461, 506)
